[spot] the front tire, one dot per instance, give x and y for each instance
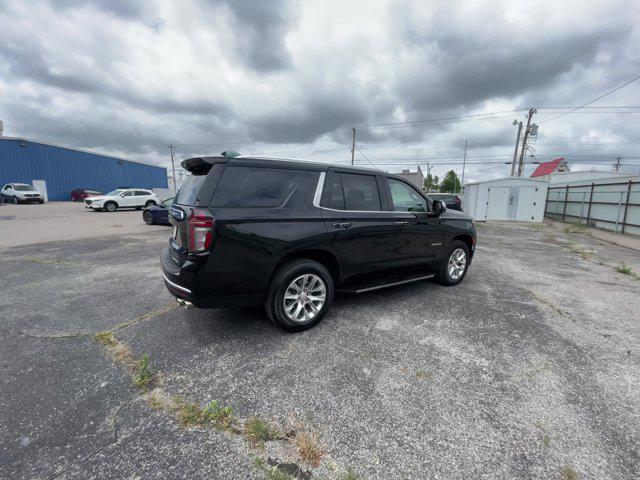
(15, 200)
(148, 218)
(110, 206)
(455, 264)
(300, 295)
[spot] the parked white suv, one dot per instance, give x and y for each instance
(20, 193)
(123, 198)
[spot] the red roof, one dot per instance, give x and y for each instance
(547, 167)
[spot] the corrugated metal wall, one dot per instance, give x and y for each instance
(516, 199)
(23, 161)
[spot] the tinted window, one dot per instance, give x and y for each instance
(360, 192)
(405, 198)
(128, 194)
(332, 195)
(255, 186)
(140, 193)
(188, 193)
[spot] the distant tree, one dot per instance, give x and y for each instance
(450, 183)
(431, 182)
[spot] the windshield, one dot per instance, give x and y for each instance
(24, 188)
(115, 193)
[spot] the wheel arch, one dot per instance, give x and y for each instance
(325, 257)
(466, 239)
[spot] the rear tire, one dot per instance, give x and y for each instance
(110, 206)
(315, 296)
(455, 264)
(148, 218)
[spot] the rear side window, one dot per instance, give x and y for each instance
(255, 186)
(189, 190)
(332, 195)
(360, 192)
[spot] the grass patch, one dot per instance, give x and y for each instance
(308, 448)
(623, 269)
(107, 339)
(568, 473)
(576, 248)
(546, 441)
(259, 431)
(143, 376)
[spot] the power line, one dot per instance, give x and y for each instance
(593, 101)
(365, 157)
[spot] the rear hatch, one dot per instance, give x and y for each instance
(190, 217)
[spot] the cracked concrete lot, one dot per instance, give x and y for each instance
(528, 369)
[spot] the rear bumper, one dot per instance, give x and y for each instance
(184, 286)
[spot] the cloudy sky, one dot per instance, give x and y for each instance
(289, 78)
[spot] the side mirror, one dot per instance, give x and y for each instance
(439, 207)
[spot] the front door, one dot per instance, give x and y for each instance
(128, 199)
(420, 234)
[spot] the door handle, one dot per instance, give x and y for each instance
(402, 224)
(341, 225)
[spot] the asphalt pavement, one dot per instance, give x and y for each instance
(528, 369)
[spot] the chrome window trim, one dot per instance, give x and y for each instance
(318, 197)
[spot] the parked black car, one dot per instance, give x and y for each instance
(157, 214)
(288, 234)
(451, 200)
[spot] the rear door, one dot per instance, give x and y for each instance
(141, 197)
(355, 210)
(420, 234)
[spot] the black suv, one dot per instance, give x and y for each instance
(288, 234)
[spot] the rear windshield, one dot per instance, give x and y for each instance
(255, 186)
(189, 191)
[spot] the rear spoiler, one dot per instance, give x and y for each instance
(202, 165)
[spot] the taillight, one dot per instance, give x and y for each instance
(201, 225)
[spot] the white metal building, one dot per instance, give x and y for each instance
(512, 198)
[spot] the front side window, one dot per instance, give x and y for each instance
(128, 193)
(360, 192)
(406, 198)
(255, 186)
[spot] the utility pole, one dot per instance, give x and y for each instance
(429, 183)
(515, 151)
(353, 144)
(618, 163)
(464, 162)
(524, 141)
(173, 168)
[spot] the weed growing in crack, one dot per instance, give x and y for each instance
(143, 375)
(271, 472)
(623, 269)
(259, 431)
(349, 475)
(219, 417)
(189, 414)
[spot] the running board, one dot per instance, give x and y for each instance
(369, 288)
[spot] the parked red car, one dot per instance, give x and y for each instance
(79, 194)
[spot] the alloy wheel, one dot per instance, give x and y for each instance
(457, 263)
(304, 298)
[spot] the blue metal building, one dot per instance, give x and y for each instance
(65, 169)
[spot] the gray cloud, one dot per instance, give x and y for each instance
(259, 31)
(295, 76)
